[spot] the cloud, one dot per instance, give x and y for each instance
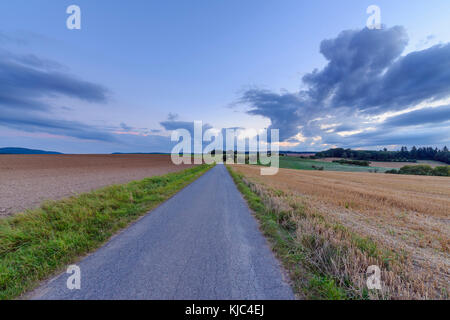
(187, 125)
(25, 80)
(356, 61)
(427, 41)
(35, 123)
(419, 76)
(125, 127)
(366, 76)
(7, 39)
(33, 61)
(420, 117)
(404, 136)
(173, 116)
(284, 110)
(150, 143)
(28, 82)
(172, 123)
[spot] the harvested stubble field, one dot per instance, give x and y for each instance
(400, 223)
(27, 180)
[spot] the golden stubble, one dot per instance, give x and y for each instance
(406, 214)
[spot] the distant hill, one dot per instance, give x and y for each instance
(125, 153)
(25, 151)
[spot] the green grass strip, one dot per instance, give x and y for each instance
(38, 243)
(308, 164)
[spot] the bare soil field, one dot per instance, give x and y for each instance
(409, 215)
(394, 165)
(28, 180)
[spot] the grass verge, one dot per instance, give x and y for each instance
(37, 243)
(325, 259)
(280, 232)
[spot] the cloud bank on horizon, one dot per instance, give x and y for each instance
(369, 94)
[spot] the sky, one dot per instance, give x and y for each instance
(136, 70)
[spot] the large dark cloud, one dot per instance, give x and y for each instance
(366, 72)
(356, 60)
(366, 75)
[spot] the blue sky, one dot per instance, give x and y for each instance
(136, 66)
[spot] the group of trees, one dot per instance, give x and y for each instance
(423, 170)
(362, 163)
(403, 155)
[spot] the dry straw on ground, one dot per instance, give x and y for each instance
(348, 221)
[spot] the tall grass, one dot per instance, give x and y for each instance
(37, 243)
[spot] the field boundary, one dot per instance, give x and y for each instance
(38, 243)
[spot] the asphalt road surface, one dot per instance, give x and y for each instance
(201, 244)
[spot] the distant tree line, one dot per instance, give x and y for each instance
(403, 155)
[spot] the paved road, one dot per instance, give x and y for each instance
(201, 244)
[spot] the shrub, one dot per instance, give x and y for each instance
(422, 170)
(361, 163)
(443, 171)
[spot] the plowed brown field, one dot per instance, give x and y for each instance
(27, 180)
